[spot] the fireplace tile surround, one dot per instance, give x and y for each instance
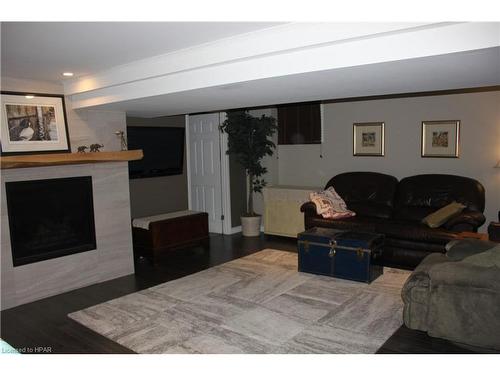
(112, 258)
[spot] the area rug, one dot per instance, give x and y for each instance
(256, 304)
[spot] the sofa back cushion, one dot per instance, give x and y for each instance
(366, 193)
(419, 196)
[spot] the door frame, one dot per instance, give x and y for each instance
(188, 159)
(225, 176)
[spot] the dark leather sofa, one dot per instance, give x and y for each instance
(395, 208)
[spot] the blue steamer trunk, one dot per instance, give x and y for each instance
(346, 255)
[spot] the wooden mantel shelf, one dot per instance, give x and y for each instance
(44, 160)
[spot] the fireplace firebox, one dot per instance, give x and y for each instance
(50, 218)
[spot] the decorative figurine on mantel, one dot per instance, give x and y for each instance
(95, 147)
(81, 149)
(123, 142)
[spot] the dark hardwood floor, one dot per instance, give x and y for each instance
(44, 324)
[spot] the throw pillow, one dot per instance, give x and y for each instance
(441, 216)
(330, 205)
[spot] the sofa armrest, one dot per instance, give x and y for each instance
(457, 250)
(459, 274)
(308, 208)
(468, 220)
(464, 304)
(420, 276)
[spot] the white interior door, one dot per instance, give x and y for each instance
(205, 182)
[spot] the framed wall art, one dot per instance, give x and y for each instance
(440, 139)
(369, 139)
(33, 123)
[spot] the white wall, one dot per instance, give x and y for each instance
(85, 126)
(479, 114)
(31, 86)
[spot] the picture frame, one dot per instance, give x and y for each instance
(368, 139)
(33, 123)
(440, 139)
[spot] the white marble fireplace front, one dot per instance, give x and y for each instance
(112, 258)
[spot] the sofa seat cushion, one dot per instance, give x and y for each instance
(415, 232)
(425, 238)
(367, 209)
(400, 257)
(356, 223)
(413, 213)
(415, 245)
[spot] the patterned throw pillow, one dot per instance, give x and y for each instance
(330, 205)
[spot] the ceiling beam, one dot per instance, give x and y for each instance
(247, 58)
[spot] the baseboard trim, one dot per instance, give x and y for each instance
(235, 230)
(238, 229)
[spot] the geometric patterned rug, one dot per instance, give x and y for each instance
(256, 304)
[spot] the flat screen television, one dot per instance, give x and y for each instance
(163, 149)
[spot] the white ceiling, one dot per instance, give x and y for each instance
(43, 50)
(158, 69)
(451, 71)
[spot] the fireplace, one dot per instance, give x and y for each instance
(50, 218)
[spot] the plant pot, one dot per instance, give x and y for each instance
(250, 225)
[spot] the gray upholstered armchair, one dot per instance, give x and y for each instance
(457, 296)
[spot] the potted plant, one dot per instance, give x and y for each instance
(249, 140)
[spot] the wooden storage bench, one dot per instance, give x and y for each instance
(155, 234)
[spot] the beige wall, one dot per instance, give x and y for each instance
(84, 126)
(158, 195)
(301, 165)
(479, 114)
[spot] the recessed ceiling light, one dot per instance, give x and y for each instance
(29, 96)
(68, 74)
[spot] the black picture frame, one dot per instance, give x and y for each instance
(65, 141)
